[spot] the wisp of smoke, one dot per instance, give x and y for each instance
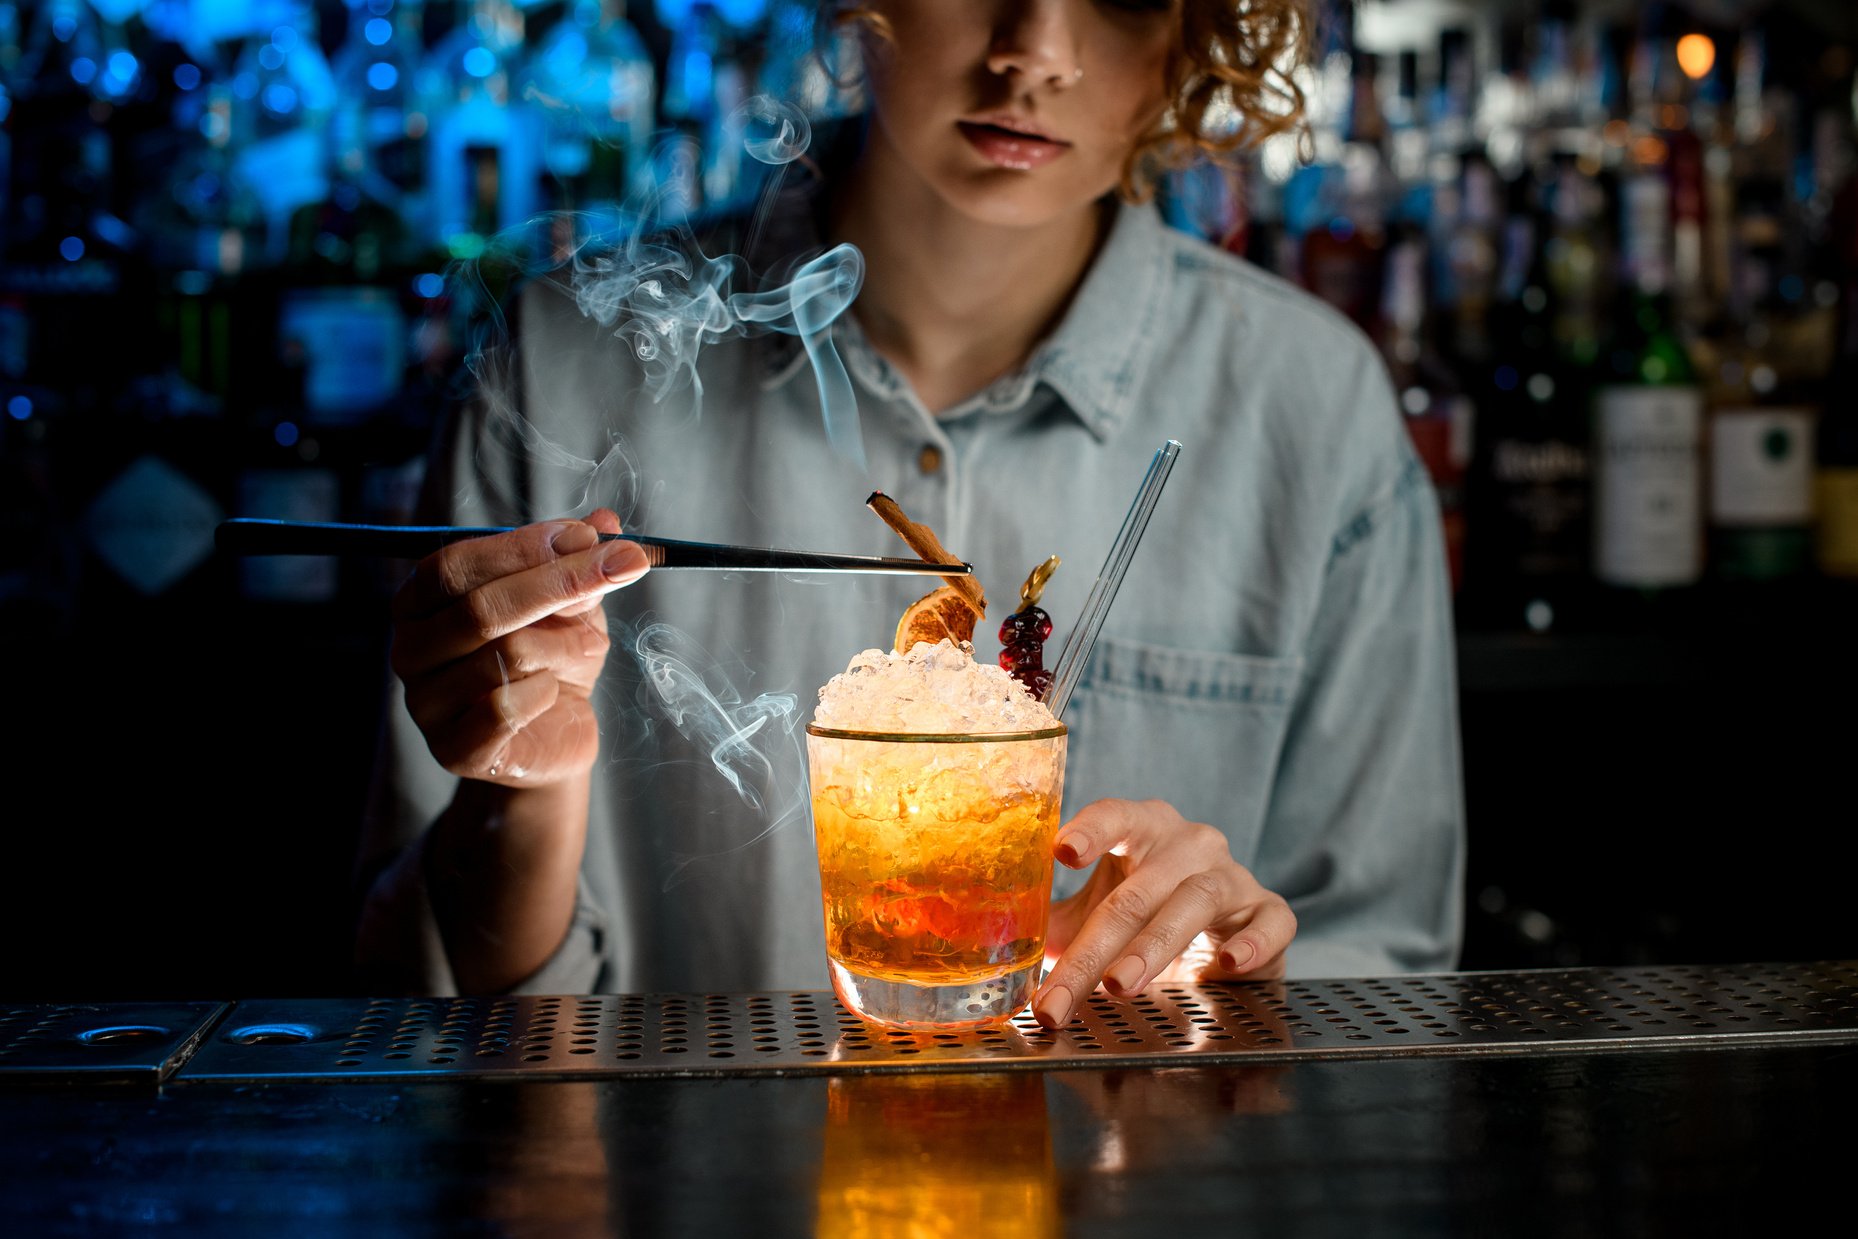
(773, 132)
(645, 278)
(754, 745)
(660, 293)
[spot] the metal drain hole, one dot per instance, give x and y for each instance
(272, 1034)
(121, 1034)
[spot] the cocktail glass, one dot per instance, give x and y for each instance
(935, 861)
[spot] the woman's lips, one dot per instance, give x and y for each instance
(1009, 148)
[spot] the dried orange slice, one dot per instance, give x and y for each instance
(941, 614)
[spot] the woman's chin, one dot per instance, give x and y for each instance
(1008, 198)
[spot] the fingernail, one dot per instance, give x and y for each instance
(622, 561)
(1066, 852)
(1054, 1009)
(1239, 958)
(1126, 976)
(573, 537)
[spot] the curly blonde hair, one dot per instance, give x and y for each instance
(1230, 74)
(1231, 84)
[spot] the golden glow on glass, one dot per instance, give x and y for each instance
(935, 852)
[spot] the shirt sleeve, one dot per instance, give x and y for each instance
(475, 475)
(398, 947)
(1365, 831)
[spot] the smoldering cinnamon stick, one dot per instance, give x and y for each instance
(921, 539)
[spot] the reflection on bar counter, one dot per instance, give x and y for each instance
(1610, 253)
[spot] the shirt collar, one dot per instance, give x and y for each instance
(1096, 360)
(1099, 356)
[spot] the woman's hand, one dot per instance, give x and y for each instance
(499, 641)
(1163, 885)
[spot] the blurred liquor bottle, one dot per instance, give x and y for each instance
(1836, 478)
(1531, 534)
(703, 167)
(485, 152)
(1343, 251)
(1648, 461)
(64, 246)
(1575, 257)
(1648, 413)
(1762, 422)
(283, 97)
(199, 226)
(1776, 347)
(1406, 147)
(1678, 108)
(1763, 246)
(687, 108)
(595, 84)
(340, 331)
(9, 86)
(380, 130)
(1463, 209)
(729, 173)
(1439, 416)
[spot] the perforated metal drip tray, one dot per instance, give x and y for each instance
(689, 1035)
(133, 1042)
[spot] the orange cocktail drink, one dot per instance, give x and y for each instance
(935, 861)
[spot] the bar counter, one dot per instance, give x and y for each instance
(1692, 1100)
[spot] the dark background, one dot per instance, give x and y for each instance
(1670, 782)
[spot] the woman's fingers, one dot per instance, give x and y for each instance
(572, 649)
(528, 733)
(1103, 827)
(504, 604)
(476, 745)
(500, 640)
(1162, 883)
(1257, 950)
(1200, 900)
(1167, 900)
(452, 572)
(605, 520)
(1250, 941)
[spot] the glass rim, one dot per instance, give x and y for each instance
(921, 737)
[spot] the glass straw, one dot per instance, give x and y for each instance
(1103, 593)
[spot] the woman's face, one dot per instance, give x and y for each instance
(1018, 112)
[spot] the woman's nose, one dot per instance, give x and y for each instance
(1036, 40)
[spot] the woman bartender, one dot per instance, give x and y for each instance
(1263, 774)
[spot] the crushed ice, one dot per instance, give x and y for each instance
(932, 689)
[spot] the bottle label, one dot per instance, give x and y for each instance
(1761, 553)
(354, 349)
(1546, 462)
(1540, 511)
(1646, 204)
(1761, 466)
(1648, 499)
(1837, 496)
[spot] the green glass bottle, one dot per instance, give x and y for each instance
(1648, 432)
(1648, 421)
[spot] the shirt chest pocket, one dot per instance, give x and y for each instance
(1198, 729)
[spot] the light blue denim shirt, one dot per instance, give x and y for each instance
(1279, 662)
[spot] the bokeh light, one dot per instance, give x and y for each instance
(1696, 55)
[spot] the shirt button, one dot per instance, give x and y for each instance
(929, 460)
